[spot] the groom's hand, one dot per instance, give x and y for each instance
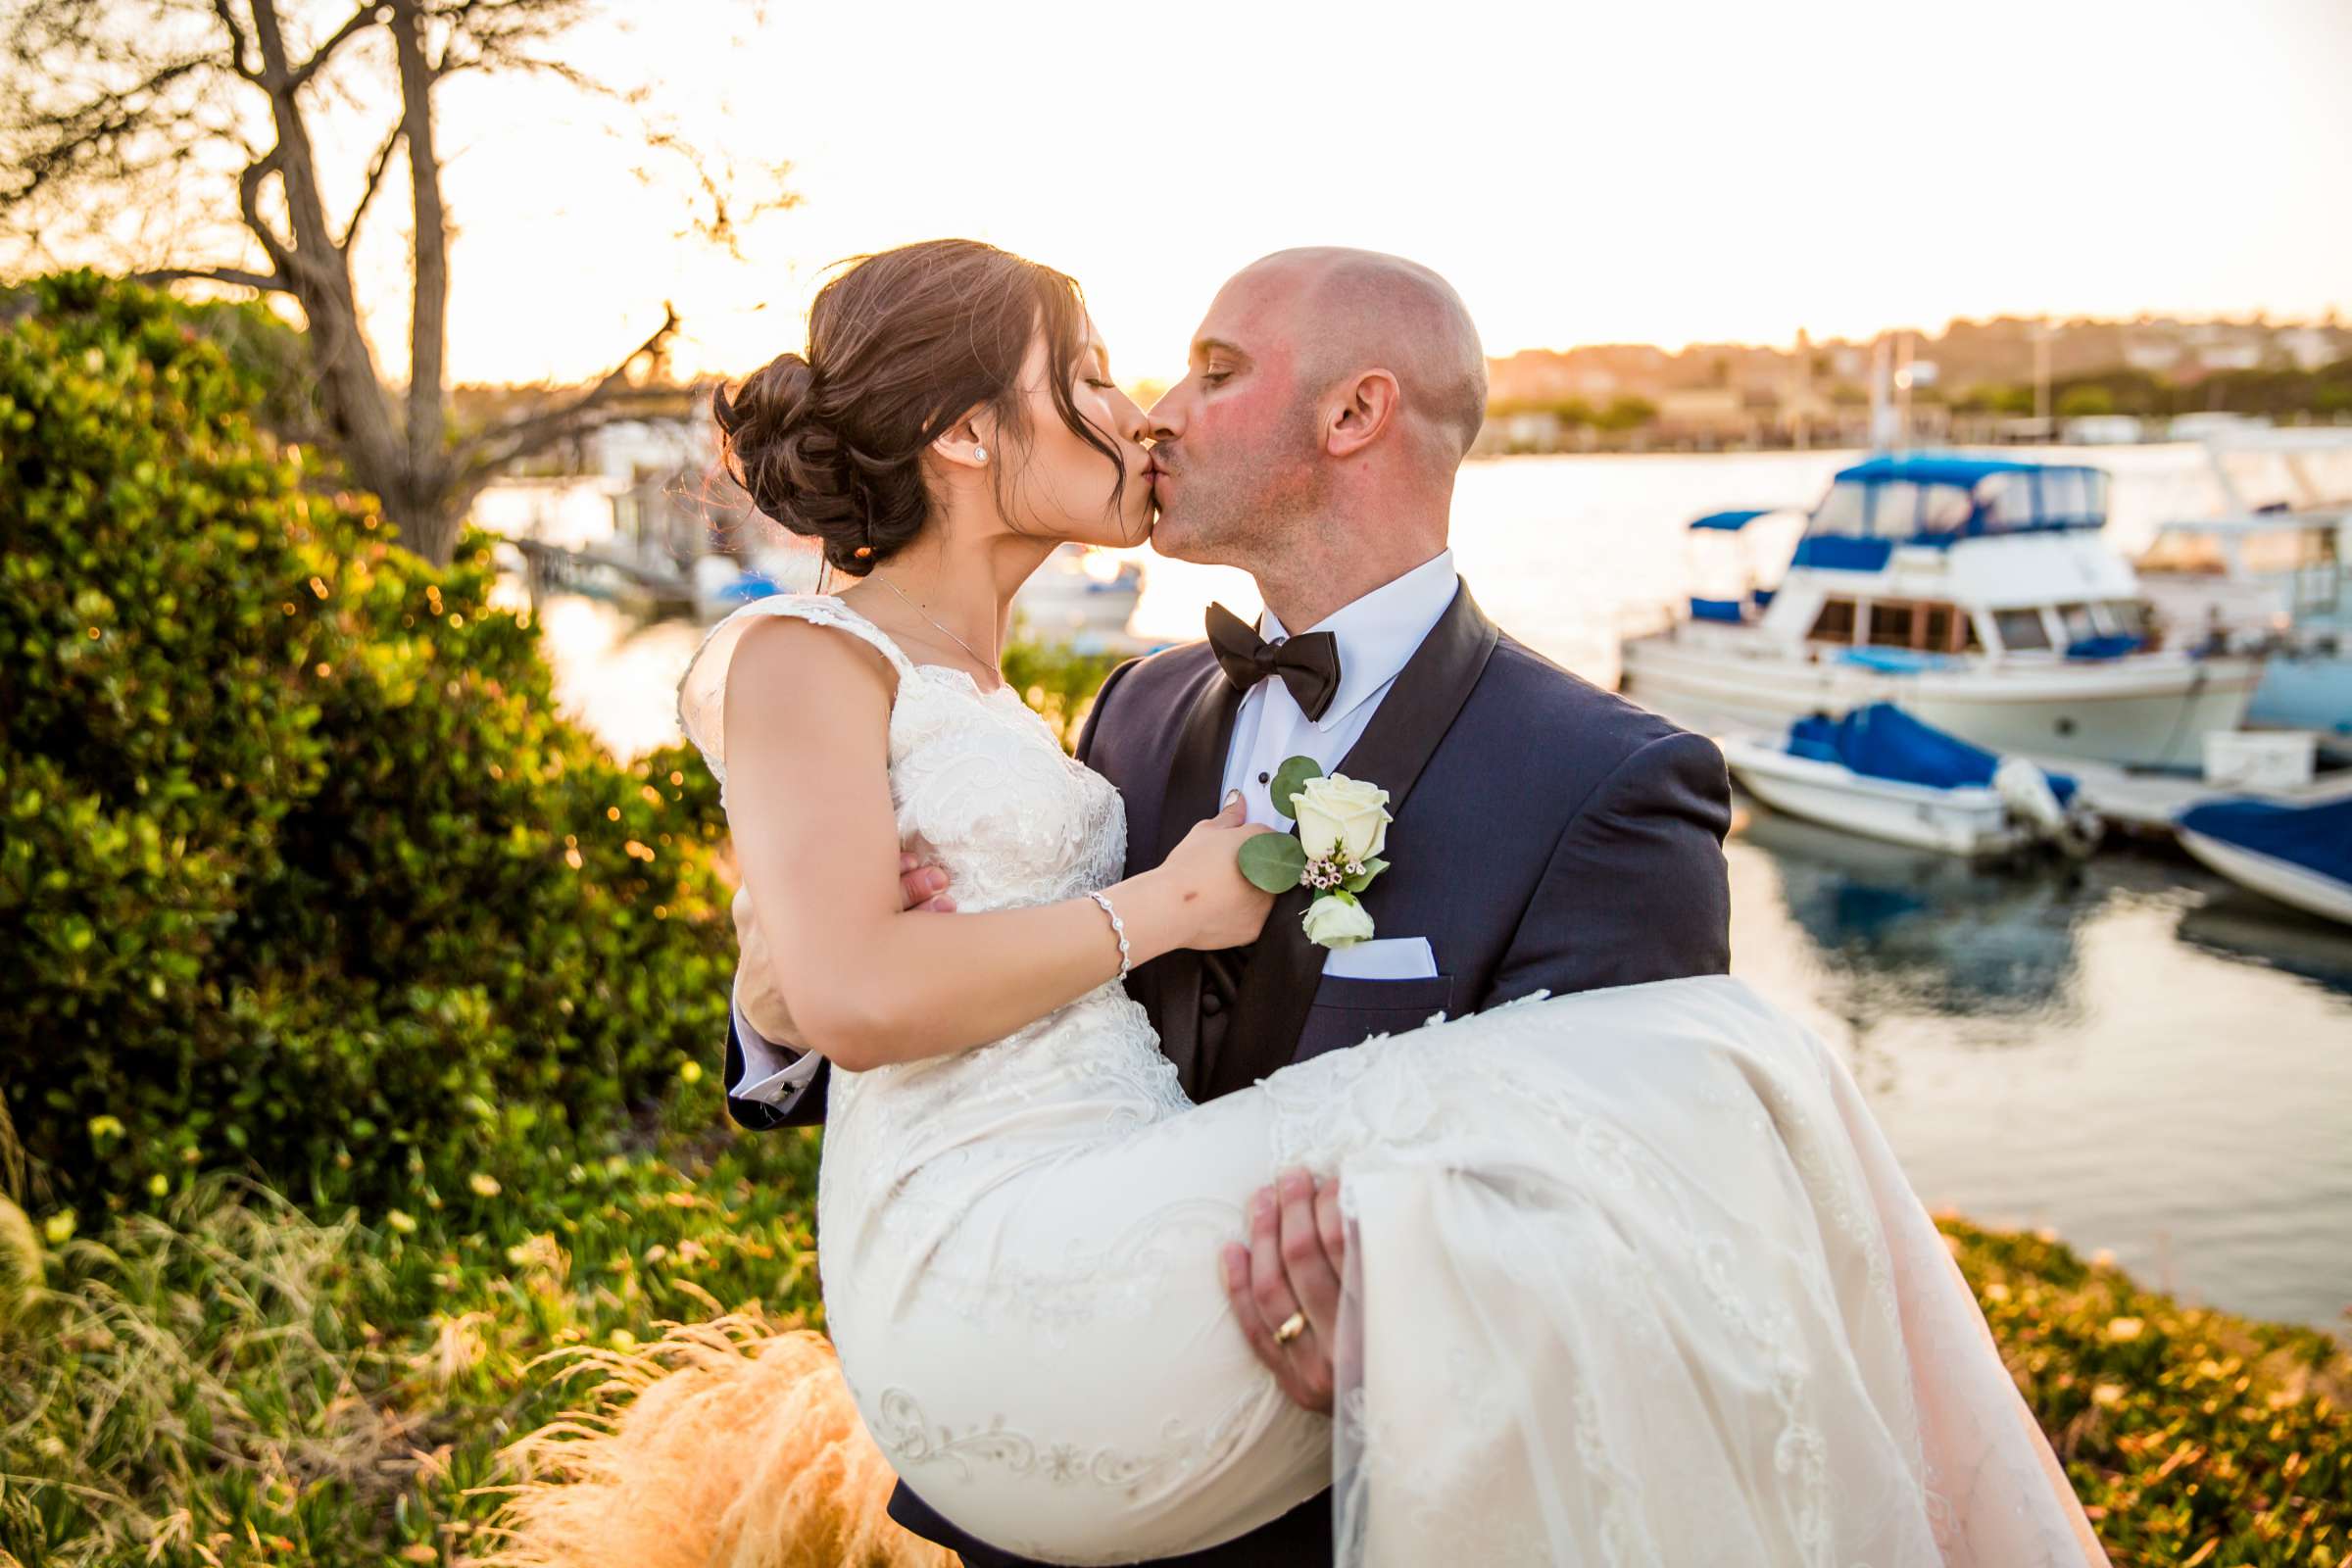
(1291, 1266)
(924, 887)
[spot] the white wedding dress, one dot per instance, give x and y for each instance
(1634, 1277)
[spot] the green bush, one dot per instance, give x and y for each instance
(301, 870)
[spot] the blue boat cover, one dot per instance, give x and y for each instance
(1838, 551)
(1937, 467)
(1882, 741)
(2316, 838)
(2114, 645)
(1728, 521)
(1715, 608)
(1892, 660)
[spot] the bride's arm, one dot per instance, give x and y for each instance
(868, 981)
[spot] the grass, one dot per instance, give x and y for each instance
(231, 1380)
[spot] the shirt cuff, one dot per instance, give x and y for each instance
(771, 1074)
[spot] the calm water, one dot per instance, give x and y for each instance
(2134, 1053)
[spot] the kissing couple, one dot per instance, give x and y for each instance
(1449, 1204)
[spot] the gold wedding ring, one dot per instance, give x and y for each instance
(1292, 1327)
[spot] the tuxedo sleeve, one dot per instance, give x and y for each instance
(770, 1085)
(1636, 889)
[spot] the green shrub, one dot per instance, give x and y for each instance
(301, 867)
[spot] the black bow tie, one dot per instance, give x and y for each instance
(1308, 663)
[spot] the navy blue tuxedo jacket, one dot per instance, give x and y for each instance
(1549, 836)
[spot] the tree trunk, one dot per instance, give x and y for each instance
(428, 320)
(318, 271)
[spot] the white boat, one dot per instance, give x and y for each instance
(1974, 593)
(1882, 774)
(2298, 855)
(2272, 575)
(1084, 598)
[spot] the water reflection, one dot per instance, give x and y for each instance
(1905, 931)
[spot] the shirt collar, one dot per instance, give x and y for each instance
(1378, 633)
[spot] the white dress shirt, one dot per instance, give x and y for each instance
(1377, 635)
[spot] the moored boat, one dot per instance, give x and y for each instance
(1882, 774)
(1974, 593)
(2297, 855)
(2272, 575)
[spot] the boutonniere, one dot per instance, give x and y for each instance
(1343, 826)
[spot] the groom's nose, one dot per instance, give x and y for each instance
(1166, 419)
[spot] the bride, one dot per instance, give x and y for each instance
(1632, 1275)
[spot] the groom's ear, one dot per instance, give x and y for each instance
(1366, 406)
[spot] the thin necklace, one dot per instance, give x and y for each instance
(997, 665)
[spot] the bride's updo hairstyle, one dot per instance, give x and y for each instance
(902, 345)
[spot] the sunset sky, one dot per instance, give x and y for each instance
(1582, 173)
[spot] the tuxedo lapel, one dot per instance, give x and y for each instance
(1196, 779)
(1279, 987)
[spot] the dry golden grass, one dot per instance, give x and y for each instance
(721, 1445)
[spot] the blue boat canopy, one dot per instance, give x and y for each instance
(2313, 838)
(1937, 499)
(1882, 741)
(1728, 521)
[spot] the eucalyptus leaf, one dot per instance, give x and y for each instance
(1363, 879)
(1273, 861)
(1289, 779)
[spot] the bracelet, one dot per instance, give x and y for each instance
(1119, 928)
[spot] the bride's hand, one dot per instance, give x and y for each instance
(1223, 909)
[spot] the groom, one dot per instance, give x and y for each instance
(1547, 837)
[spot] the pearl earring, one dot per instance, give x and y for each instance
(979, 454)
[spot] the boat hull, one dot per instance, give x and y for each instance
(1970, 820)
(2146, 712)
(2273, 878)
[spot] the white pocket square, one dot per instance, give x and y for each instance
(1384, 959)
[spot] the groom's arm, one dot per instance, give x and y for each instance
(1636, 889)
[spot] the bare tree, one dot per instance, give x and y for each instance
(114, 113)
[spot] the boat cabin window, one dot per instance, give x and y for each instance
(1834, 624)
(1927, 626)
(2127, 618)
(1893, 510)
(2012, 498)
(1944, 508)
(1843, 511)
(2077, 621)
(2066, 494)
(2021, 630)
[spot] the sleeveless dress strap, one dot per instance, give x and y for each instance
(702, 689)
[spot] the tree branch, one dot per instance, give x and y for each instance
(357, 23)
(375, 179)
(263, 282)
(241, 57)
(519, 438)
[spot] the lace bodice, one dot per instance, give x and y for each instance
(981, 786)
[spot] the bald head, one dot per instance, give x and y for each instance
(1356, 310)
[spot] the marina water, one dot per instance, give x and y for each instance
(2132, 1053)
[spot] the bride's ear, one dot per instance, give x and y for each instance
(965, 443)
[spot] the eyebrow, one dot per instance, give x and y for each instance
(1203, 347)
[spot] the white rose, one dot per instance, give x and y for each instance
(1345, 814)
(1337, 922)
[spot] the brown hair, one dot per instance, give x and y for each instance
(902, 344)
